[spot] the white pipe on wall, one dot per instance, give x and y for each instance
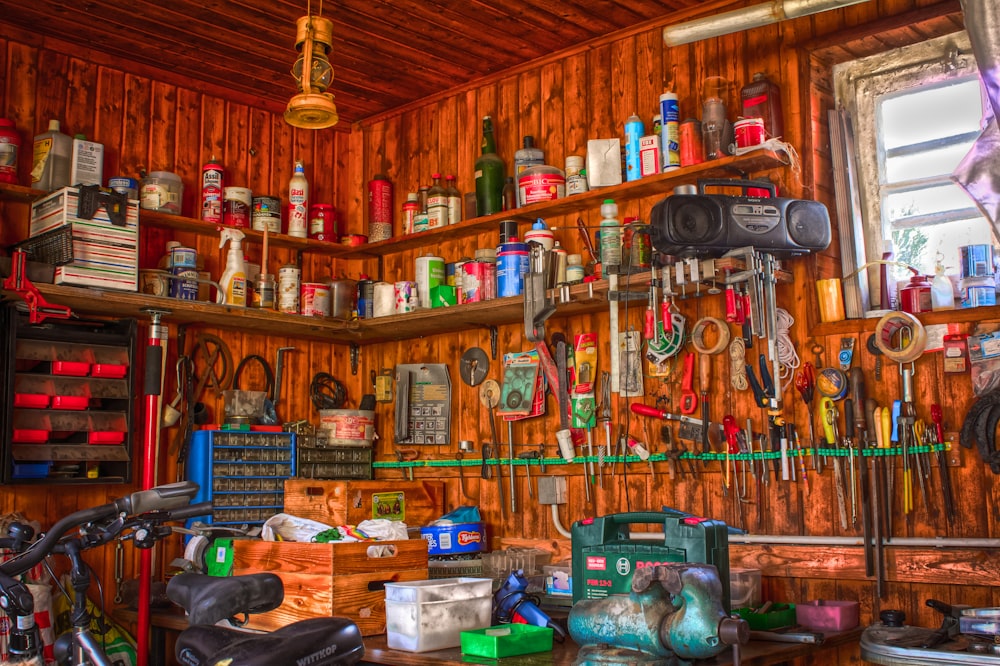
(794, 540)
(746, 18)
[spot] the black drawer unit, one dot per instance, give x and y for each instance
(67, 397)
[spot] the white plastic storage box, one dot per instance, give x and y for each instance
(430, 615)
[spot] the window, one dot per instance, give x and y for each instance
(915, 112)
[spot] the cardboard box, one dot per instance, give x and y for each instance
(60, 208)
(349, 502)
(332, 579)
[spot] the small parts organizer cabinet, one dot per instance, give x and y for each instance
(66, 394)
(242, 473)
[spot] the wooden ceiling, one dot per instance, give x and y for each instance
(386, 53)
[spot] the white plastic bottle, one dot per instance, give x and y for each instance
(611, 235)
(233, 282)
(52, 153)
(298, 203)
(942, 291)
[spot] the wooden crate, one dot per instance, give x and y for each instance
(326, 579)
(350, 502)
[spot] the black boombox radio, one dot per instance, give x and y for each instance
(712, 224)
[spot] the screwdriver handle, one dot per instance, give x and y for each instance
(857, 378)
(849, 419)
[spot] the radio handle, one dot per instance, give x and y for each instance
(737, 182)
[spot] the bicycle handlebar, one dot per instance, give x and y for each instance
(171, 497)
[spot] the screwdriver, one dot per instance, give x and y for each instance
(805, 382)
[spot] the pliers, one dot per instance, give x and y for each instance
(763, 393)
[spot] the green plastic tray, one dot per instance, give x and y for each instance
(521, 639)
(779, 615)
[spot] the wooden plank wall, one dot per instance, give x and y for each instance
(562, 101)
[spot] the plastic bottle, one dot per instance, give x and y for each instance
(528, 156)
(51, 155)
(233, 282)
(761, 98)
(437, 204)
(10, 146)
(454, 200)
(489, 174)
(887, 279)
(611, 235)
(576, 178)
(574, 268)
(411, 208)
(670, 145)
(942, 291)
(87, 163)
(298, 203)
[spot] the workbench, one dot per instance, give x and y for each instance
(757, 653)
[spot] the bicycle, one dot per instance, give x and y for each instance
(141, 517)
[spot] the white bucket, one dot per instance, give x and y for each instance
(347, 427)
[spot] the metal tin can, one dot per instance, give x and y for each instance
(183, 285)
(692, 148)
(212, 176)
(366, 297)
(323, 223)
(475, 276)
(183, 256)
(125, 185)
(266, 214)
(315, 299)
(380, 212)
(512, 264)
(236, 205)
(430, 274)
(977, 261)
(635, 244)
(749, 132)
(354, 240)
(289, 279)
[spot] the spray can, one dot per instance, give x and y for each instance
(366, 297)
(669, 145)
(379, 208)
(634, 129)
(298, 203)
(512, 264)
(10, 145)
(212, 183)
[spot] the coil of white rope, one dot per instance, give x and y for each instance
(787, 356)
(738, 364)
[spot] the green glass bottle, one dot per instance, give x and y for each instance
(489, 174)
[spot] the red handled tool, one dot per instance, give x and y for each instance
(805, 383)
(689, 399)
(937, 416)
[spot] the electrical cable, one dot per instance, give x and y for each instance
(787, 356)
(326, 392)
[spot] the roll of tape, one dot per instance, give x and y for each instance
(900, 337)
(384, 301)
(698, 335)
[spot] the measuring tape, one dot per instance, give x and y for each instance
(900, 337)
(698, 335)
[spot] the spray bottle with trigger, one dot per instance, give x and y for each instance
(234, 278)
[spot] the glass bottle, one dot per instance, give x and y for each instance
(420, 221)
(454, 200)
(489, 174)
(509, 194)
(437, 204)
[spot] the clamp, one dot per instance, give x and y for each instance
(38, 308)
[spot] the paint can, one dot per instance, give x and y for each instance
(266, 214)
(430, 274)
(183, 256)
(512, 264)
(749, 132)
(287, 296)
(183, 284)
(236, 206)
(406, 296)
(125, 185)
(314, 299)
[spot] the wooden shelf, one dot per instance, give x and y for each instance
(660, 184)
(956, 316)
(69, 452)
(19, 193)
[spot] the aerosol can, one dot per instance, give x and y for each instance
(233, 282)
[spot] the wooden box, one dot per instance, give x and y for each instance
(332, 579)
(349, 502)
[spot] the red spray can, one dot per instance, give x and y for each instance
(212, 184)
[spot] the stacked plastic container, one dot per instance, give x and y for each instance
(430, 615)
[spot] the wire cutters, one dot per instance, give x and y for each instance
(763, 390)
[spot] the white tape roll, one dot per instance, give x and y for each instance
(384, 301)
(900, 337)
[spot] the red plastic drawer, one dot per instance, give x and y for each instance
(74, 402)
(70, 368)
(106, 437)
(24, 436)
(108, 370)
(31, 400)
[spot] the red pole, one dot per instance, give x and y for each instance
(152, 386)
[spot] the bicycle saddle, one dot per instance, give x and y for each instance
(320, 641)
(209, 599)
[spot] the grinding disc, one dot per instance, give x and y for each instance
(474, 367)
(489, 394)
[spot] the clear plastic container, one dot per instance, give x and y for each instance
(744, 588)
(163, 192)
(443, 589)
(432, 614)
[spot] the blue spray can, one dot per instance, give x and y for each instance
(512, 264)
(634, 129)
